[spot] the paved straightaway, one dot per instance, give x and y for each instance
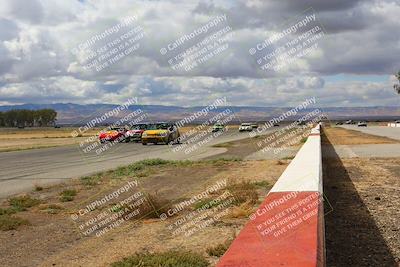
(385, 131)
(22, 170)
(366, 151)
(370, 150)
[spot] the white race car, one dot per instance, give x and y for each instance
(245, 127)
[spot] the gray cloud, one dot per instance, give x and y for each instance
(37, 65)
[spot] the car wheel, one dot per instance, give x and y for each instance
(144, 143)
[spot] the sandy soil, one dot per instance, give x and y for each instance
(55, 240)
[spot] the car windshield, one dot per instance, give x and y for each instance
(159, 126)
(117, 129)
(245, 124)
(139, 127)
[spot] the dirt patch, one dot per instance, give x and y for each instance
(238, 149)
(341, 136)
(245, 147)
(53, 239)
(363, 229)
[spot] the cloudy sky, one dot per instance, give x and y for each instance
(45, 52)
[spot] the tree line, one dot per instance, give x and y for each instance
(28, 118)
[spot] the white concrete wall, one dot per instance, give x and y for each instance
(304, 173)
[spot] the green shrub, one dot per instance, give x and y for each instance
(165, 259)
(23, 202)
(139, 166)
(8, 222)
(67, 195)
(221, 160)
(92, 179)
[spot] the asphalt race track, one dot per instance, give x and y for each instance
(22, 170)
(390, 132)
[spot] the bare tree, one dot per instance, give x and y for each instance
(397, 86)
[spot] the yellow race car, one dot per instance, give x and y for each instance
(161, 132)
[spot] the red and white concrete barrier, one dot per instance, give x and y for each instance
(393, 124)
(288, 228)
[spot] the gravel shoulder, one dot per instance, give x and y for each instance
(363, 218)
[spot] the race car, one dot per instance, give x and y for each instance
(113, 134)
(218, 127)
(161, 132)
(245, 127)
(362, 124)
(135, 132)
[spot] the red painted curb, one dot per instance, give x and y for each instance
(267, 241)
(288, 228)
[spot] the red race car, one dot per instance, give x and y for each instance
(116, 134)
(135, 133)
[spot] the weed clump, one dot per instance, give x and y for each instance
(164, 259)
(8, 222)
(51, 208)
(218, 250)
(67, 195)
(243, 192)
(21, 203)
(92, 179)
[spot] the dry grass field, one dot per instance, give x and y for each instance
(12, 139)
(341, 136)
(43, 233)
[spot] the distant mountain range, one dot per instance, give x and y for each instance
(80, 114)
